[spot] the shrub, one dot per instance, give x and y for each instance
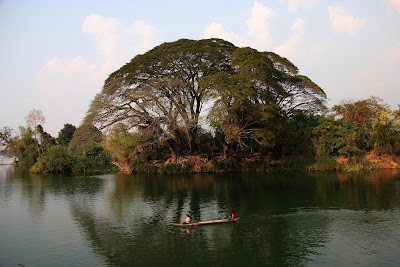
(39, 166)
(229, 164)
(147, 168)
(175, 168)
(58, 159)
(324, 163)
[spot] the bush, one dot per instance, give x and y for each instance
(58, 159)
(230, 164)
(325, 163)
(175, 168)
(79, 162)
(257, 166)
(147, 168)
(39, 166)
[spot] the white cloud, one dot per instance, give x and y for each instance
(394, 4)
(118, 42)
(218, 31)
(68, 85)
(293, 5)
(59, 75)
(343, 21)
(318, 49)
(258, 25)
(380, 78)
(291, 47)
(258, 35)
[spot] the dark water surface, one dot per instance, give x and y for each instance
(297, 219)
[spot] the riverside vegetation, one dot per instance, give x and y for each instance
(261, 115)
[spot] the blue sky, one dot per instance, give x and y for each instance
(55, 55)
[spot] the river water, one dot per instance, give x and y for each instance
(290, 219)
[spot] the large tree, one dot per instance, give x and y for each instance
(252, 98)
(159, 90)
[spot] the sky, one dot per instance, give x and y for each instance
(55, 55)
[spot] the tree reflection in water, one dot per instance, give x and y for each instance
(285, 219)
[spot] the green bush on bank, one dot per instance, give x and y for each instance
(228, 164)
(145, 168)
(324, 163)
(175, 168)
(56, 159)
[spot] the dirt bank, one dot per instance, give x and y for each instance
(384, 161)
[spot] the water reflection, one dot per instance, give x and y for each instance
(285, 219)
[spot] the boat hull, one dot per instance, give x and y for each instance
(207, 222)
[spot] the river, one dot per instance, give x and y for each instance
(286, 219)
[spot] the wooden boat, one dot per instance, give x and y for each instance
(206, 222)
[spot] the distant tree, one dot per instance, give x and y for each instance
(65, 135)
(45, 139)
(34, 118)
(367, 116)
(5, 137)
(337, 137)
(386, 132)
(25, 147)
(362, 112)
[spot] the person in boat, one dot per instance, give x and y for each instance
(233, 216)
(187, 220)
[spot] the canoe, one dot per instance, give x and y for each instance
(206, 222)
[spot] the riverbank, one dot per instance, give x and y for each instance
(259, 162)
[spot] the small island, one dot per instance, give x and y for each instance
(209, 106)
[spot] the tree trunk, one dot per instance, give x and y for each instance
(191, 135)
(226, 147)
(174, 148)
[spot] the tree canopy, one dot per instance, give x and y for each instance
(164, 91)
(66, 133)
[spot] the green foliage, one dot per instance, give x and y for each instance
(360, 113)
(171, 168)
(256, 96)
(160, 90)
(130, 148)
(58, 159)
(209, 143)
(228, 164)
(385, 132)
(39, 166)
(55, 159)
(257, 166)
(164, 90)
(26, 148)
(80, 162)
(5, 137)
(85, 137)
(324, 163)
(338, 137)
(65, 135)
(145, 168)
(295, 138)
